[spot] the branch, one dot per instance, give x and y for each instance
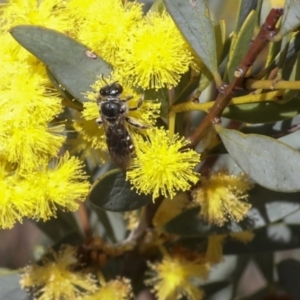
(265, 35)
(251, 98)
(272, 84)
(145, 223)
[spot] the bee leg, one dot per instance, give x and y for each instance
(99, 121)
(139, 104)
(136, 124)
(126, 99)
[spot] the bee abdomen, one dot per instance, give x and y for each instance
(120, 146)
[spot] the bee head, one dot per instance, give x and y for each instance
(113, 89)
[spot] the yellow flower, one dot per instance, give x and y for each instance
(107, 24)
(222, 196)
(15, 202)
(155, 54)
(29, 145)
(63, 186)
(160, 166)
(89, 132)
(82, 145)
(27, 107)
(173, 278)
(47, 13)
(57, 277)
(12, 53)
(80, 10)
(118, 289)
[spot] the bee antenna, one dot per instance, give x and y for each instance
(102, 77)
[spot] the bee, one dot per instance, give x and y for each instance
(113, 116)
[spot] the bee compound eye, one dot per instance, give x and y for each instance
(103, 91)
(119, 88)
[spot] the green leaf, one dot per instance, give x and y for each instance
(245, 7)
(264, 112)
(68, 99)
(112, 192)
(294, 47)
(291, 17)
(294, 76)
(267, 207)
(10, 288)
(220, 36)
(269, 162)
(68, 60)
(240, 43)
(193, 20)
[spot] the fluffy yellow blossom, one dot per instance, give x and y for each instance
(47, 13)
(155, 54)
(57, 277)
(160, 166)
(31, 144)
(15, 202)
(27, 107)
(173, 276)
(118, 289)
(63, 186)
(222, 197)
(89, 132)
(89, 140)
(12, 54)
(79, 10)
(107, 24)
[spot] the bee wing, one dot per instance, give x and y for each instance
(119, 143)
(136, 124)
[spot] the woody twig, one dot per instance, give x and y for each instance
(266, 34)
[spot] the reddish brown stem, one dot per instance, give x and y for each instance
(265, 35)
(146, 219)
